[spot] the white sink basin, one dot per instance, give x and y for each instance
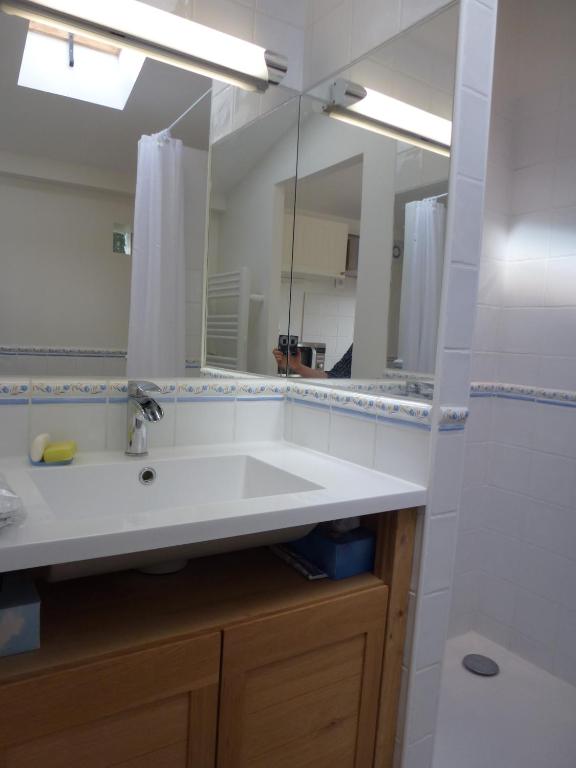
(88, 491)
(203, 499)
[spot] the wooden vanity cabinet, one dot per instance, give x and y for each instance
(235, 662)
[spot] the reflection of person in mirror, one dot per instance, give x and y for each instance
(342, 369)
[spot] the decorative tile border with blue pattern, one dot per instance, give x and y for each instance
(68, 391)
(261, 389)
(196, 390)
(15, 392)
(521, 392)
(21, 391)
(452, 418)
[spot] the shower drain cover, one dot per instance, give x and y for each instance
(480, 665)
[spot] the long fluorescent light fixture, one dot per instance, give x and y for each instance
(159, 35)
(352, 103)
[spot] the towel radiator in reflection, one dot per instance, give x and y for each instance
(227, 316)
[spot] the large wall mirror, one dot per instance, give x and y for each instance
(252, 183)
(349, 260)
(68, 155)
(371, 200)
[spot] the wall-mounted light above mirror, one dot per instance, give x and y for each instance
(157, 34)
(353, 104)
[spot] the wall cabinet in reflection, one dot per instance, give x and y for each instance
(319, 246)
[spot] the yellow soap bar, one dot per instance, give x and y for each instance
(56, 452)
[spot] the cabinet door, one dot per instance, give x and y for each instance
(300, 689)
(154, 708)
(320, 246)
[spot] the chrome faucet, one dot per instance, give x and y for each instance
(141, 409)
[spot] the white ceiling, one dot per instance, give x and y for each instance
(42, 124)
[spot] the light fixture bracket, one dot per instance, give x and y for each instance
(344, 93)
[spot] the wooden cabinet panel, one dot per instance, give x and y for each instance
(300, 688)
(154, 707)
(153, 735)
(71, 697)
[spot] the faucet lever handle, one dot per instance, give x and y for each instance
(141, 388)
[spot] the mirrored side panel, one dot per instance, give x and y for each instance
(68, 159)
(371, 201)
(250, 230)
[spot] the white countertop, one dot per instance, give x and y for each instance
(45, 538)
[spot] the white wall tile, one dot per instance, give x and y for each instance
(429, 644)
(468, 208)
(480, 419)
(460, 299)
(518, 368)
(553, 479)
(478, 55)
(419, 755)
(543, 573)
(493, 629)
(84, 423)
(328, 43)
(372, 23)
(402, 451)
(531, 650)
(470, 551)
(502, 556)
(554, 429)
(474, 125)
(294, 12)
(227, 16)
(352, 438)
(529, 236)
(257, 421)
(560, 281)
(204, 423)
(14, 430)
(311, 427)
(497, 598)
(465, 597)
(553, 528)
(456, 365)
(522, 330)
(536, 618)
(475, 464)
(532, 188)
(448, 466)
(524, 283)
(505, 512)
(421, 718)
(512, 422)
(439, 543)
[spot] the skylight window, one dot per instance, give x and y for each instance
(91, 71)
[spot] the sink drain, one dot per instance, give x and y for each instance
(147, 476)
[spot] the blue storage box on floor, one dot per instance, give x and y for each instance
(340, 555)
(19, 614)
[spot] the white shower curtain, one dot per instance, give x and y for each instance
(421, 284)
(157, 330)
